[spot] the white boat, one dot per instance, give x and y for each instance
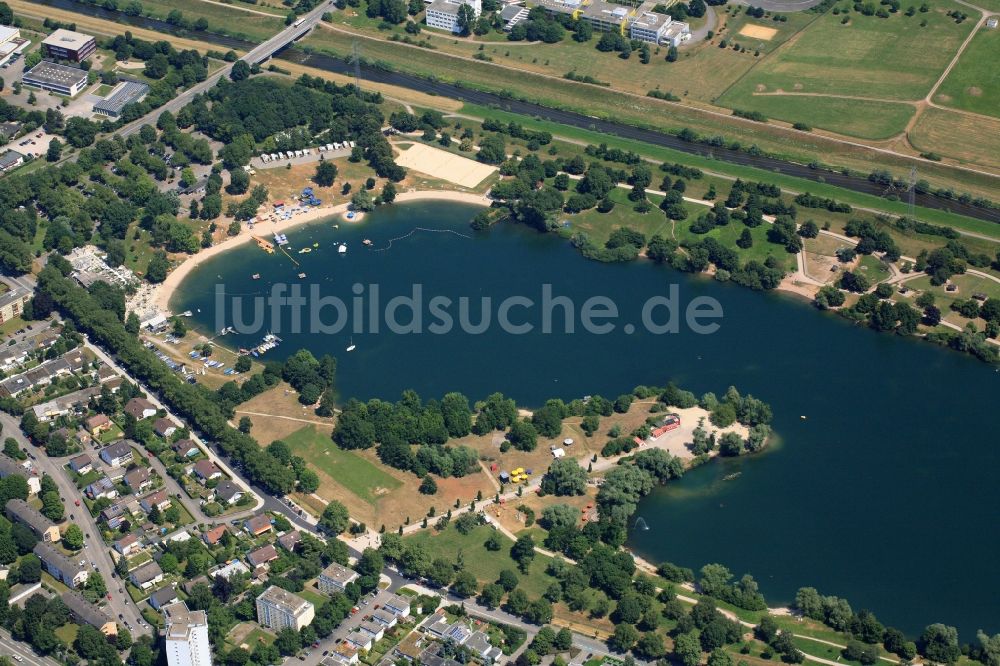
(351, 346)
(342, 249)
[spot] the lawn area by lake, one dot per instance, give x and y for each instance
(484, 564)
(359, 476)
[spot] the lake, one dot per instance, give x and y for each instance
(884, 495)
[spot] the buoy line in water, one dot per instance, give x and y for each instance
(436, 231)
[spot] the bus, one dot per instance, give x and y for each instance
(298, 23)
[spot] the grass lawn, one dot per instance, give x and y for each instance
(231, 20)
(11, 325)
(67, 633)
(86, 479)
(974, 83)
(358, 475)
(969, 139)
(873, 268)
(852, 117)
(868, 57)
(484, 564)
(113, 434)
(312, 596)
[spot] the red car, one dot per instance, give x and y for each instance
(77, 502)
(109, 596)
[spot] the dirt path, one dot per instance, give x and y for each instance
(325, 424)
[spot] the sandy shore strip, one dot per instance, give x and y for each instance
(266, 229)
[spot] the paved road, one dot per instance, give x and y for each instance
(94, 549)
(9, 647)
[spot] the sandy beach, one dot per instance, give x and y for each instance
(266, 229)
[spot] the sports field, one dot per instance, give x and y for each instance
(974, 83)
(893, 58)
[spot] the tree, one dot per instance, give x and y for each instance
(54, 152)
(72, 538)
(492, 149)
(687, 649)
(326, 173)
(335, 518)
(564, 477)
(52, 506)
(389, 190)
(30, 569)
(523, 552)
(288, 641)
(428, 486)
(240, 71)
(362, 201)
(624, 638)
(939, 643)
(465, 585)
(523, 435)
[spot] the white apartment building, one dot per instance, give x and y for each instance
(278, 608)
(443, 14)
(186, 636)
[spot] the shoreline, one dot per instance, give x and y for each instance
(164, 292)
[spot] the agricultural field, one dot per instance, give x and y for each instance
(974, 83)
(970, 139)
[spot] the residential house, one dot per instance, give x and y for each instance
(359, 640)
(140, 408)
(114, 514)
(11, 159)
(146, 576)
(128, 544)
(163, 597)
(511, 15)
(103, 487)
(388, 620)
(373, 629)
(83, 437)
(481, 647)
(344, 654)
(228, 492)
(81, 464)
(65, 404)
(262, 555)
(42, 375)
(278, 608)
(160, 499)
(11, 467)
(164, 427)
(335, 578)
(21, 512)
(214, 535)
(137, 479)
(97, 424)
(227, 571)
(118, 454)
(59, 566)
(398, 605)
(84, 612)
(289, 540)
(206, 470)
(258, 525)
(186, 448)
